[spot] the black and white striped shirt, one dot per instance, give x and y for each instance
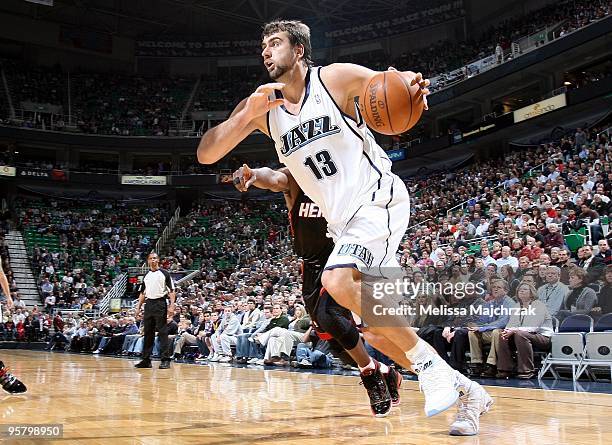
(157, 284)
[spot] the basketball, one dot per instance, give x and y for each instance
(390, 105)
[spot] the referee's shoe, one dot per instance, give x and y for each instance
(143, 364)
(165, 364)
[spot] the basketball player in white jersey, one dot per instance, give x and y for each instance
(310, 114)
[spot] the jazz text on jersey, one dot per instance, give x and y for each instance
(307, 132)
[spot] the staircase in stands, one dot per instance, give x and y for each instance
(26, 283)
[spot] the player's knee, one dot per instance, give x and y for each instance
(339, 283)
(337, 322)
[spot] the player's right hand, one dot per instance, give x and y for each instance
(259, 103)
(244, 177)
(9, 303)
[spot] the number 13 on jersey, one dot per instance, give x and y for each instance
(321, 165)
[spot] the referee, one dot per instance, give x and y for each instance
(157, 284)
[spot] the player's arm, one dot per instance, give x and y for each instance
(248, 116)
(6, 290)
(347, 80)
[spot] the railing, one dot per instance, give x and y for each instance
(189, 276)
(116, 291)
(462, 205)
(252, 249)
(533, 41)
(419, 224)
(164, 236)
(473, 241)
(518, 48)
(90, 313)
(606, 131)
(7, 92)
(530, 171)
(47, 121)
(194, 92)
(177, 126)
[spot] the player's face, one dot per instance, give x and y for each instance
(278, 54)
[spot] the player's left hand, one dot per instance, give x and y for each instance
(244, 177)
(9, 302)
(417, 78)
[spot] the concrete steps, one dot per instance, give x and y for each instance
(26, 282)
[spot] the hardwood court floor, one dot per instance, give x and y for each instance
(102, 400)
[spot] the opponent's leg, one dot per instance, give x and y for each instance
(436, 378)
(337, 321)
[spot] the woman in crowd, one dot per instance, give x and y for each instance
(581, 298)
(523, 333)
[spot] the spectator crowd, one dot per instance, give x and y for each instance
(530, 229)
(135, 105)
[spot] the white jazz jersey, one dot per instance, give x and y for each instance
(339, 165)
(335, 162)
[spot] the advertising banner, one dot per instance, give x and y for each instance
(5, 170)
(144, 180)
(539, 108)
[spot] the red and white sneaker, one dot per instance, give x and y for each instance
(394, 382)
(374, 383)
(9, 382)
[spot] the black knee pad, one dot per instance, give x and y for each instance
(336, 321)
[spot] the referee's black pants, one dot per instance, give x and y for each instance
(156, 319)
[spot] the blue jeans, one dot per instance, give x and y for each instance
(58, 337)
(202, 348)
(103, 342)
(156, 348)
(130, 342)
(138, 346)
(316, 358)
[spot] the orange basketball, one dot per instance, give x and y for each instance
(390, 105)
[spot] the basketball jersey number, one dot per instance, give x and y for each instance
(326, 165)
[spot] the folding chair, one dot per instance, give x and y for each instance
(598, 350)
(567, 346)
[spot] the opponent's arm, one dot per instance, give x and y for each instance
(264, 178)
(248, 116)
(280, 180)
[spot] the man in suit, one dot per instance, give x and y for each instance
(553, 292)
(593, 265)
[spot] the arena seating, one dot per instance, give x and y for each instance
(78, 249)
(133, 105)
